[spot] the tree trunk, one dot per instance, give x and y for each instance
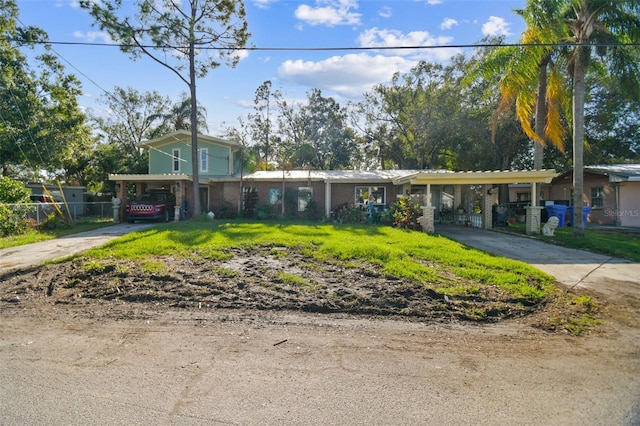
(578, 148)
(195, 209)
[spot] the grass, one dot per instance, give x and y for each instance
(414, 256)
(612, 242)
(34, 235)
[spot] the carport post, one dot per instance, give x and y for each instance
(487, 209)
(533, 212)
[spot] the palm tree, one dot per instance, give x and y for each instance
(538, 54)
(611, 26)
(530, 78)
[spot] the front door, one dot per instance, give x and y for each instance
(204, 199)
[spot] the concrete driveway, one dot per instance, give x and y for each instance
(34, 254)
(574, 268)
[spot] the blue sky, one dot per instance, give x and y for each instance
(228, 93)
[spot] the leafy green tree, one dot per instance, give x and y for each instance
(260, 121)
(173, 34)
(13, 191)
(40, 121)
(612, 122)
(133, 118)
(328, 142)
(179, 118)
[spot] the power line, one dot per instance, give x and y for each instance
(335, 48)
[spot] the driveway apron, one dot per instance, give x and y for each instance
(573, 268)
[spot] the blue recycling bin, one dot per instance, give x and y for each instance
(585, 215)
(559, 211)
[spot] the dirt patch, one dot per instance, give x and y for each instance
(279, 279)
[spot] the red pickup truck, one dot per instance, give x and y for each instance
(152, 205)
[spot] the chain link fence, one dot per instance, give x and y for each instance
(77, 211)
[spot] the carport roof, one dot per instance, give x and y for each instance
(444, 177)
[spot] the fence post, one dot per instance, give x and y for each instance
(116, 209)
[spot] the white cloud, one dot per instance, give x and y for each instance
(393, 38)
(385, 12)
(432, 2)
(350, 75)
(329, 13)
(263, 4)
(496, 26)
(93, 37)
(448, 23)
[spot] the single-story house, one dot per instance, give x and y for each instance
(222, 182)
(611, 191)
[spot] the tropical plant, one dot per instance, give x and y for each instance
(406, 213)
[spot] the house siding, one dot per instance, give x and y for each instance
(161, 159)
(626, 214)
(629, 213)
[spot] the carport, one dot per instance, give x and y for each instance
(488, 179)
(179, 184)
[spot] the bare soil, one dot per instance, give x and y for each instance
(273, 279)
(499, 349)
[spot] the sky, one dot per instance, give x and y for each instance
(227, 93)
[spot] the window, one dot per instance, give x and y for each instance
(363, 193)
(523, 196)
(275, 196)
(204, 159)
(305, 195)
(176, 160)
(597, 194)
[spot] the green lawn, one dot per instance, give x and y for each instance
(432, 261)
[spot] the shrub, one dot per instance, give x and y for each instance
(406, 213)
(265, 211)
(346, 214)
(226, 211)
(313, 211)
(11, 221)
(12, 191)
(250, 201)
(12, 218)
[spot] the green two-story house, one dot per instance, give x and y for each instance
(171, 168)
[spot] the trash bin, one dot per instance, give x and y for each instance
(559, 211)
(585, 215)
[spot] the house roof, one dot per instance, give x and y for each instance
(414, 177)
(333, 176)
(167, 177)
(617, 172)
(185, 136)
